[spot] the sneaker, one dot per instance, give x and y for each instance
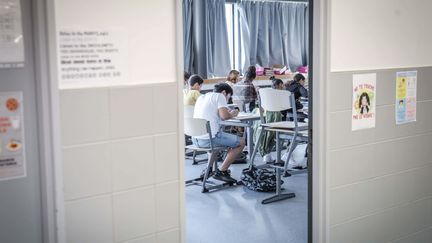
(224, 176)
(203, 173)
(268, 158)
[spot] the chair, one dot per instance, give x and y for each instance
(279, 100)
(188, 113)
(197, 127)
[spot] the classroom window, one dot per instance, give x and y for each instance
(229, 13)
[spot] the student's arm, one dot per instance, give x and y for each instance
(223, 111)
(303, 92)
(224, 114)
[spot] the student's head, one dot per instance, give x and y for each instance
(233, 76)
(277, 83)
(299, 78)
(364, 99)
(250, 73)
(195, 82)
(224, 89)
(186, 77)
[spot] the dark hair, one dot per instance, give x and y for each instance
(250, 73)
(299, 77)
(186, 76)
(364, 94)
(195, 79)
(275, 82)
(218, 88)
(231, 74)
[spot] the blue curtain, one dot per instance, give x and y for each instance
(205, 38)
(272, 33)
(187, 35)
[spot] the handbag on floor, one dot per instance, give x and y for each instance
(260, 180)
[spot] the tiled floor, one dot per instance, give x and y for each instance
(236, 215)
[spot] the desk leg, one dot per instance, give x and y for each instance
(278, 149)
(249, 131)
(279, 196)
(261, 132)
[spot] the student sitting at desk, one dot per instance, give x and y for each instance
(191, 95)
(213, 107)
(232, 78)
(186, 77)
(246, 91)
(297, 87)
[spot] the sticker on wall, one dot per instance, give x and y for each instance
(363, 102)
(11, 37)
(12, 153)
(89, 58)
(406, 97)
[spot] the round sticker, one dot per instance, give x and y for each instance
(12, 104)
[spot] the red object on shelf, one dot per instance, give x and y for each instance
(259, 71)
(303, 69)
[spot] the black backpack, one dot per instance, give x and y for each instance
(261, 180)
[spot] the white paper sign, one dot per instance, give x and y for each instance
(406, 97)
(11, 37)
(91, 58)
(12, 146)
(363, 101)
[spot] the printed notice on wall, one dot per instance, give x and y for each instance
(406, 97)
(12, 153)
(11, 37)
(363, 102)
(91, 58)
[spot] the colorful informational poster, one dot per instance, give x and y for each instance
(406, 97)
(89, 58)
(12, 147)
(11, 37)
(364, 101)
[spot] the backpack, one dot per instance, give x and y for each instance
(261, 180)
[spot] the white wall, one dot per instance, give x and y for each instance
(148, 28)
(377, 180)
(370, 34)
(120, 143)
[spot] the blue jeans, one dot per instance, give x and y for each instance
(222, 139)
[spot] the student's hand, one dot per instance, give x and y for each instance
(234, 112)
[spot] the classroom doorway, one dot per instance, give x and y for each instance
(222, 36)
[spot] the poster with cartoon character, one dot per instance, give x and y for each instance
(364, 101)
(406, 97)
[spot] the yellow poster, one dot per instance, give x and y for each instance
(401, 87)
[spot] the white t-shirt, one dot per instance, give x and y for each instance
(207, 107)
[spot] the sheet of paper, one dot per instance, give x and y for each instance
(406, 97)
(11, 37)
(12, 146)
(363, 101)
(91, 58)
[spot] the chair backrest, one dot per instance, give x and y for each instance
(188, 111)
(239, 103)
(195, 127)
(274, 99)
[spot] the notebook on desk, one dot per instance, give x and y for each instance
(246, 115)
(287, 125)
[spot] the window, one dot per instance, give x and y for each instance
(229, 14)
